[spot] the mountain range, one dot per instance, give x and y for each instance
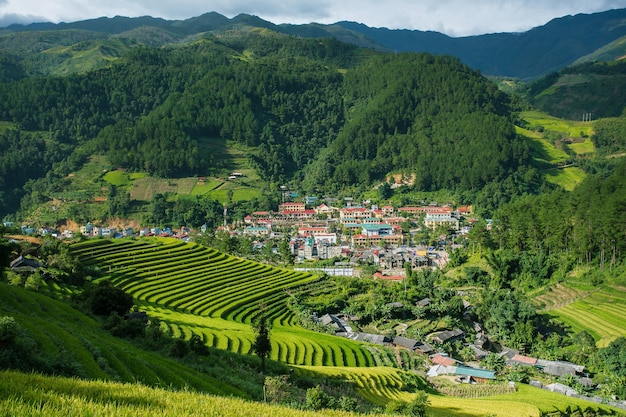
(524, 55)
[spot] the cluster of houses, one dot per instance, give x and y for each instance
(443, 364)
(363, 233)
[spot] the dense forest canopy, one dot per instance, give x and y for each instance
(424, 114)
(319, 112)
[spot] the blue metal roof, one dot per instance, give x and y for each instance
(479, 373)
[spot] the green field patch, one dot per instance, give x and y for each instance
(601, 313)
(568, 178)
(545, 152)
(205, 186)
(585, 147)
(144, 188)
(118, 178)
(569, 128)
(193, 290)
(238, 194)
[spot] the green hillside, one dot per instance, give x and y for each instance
(591, 90)
(70, 343)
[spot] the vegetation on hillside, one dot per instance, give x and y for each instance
(321, 114)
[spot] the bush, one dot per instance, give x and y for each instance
(197, 346)
(414, 408)
(119, 327)
(316, 399)
(104, 299)
(8, 331)
(179, 349)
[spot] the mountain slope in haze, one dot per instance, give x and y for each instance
(525, 55)
(529, 54)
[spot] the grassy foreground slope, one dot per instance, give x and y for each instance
(63, 332)
(198, 290)
(33, 395)
(36, 395)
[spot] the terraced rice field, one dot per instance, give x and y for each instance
(601, 314)
(194, 289)
(558, 296)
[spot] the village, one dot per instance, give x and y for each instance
(355, 234)
(366, 234)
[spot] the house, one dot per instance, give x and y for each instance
(256, 231)
(405, 342)
(334, 322)
(423, 302)
(377, 339)
(437, 370)
(561, 389)
(291, 207)
(439, 359)
(442, 216)
(357, 213)
(448, 336)
(477, 375)
(411, 344)
(22, 264)
(559, 368)
(522, 360)
(310, 200)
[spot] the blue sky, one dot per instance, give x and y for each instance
(453, 17)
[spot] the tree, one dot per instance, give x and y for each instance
(262, 345)
(384, 191)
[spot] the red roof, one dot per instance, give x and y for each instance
(524, 359)
(443, 360)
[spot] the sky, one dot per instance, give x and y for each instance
(452, 17)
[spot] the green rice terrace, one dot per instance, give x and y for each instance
(197, 290)
(600, 310)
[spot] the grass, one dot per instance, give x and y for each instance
(568, 178)
(582, 148)
(569, 128)
(143, 189)
(35, 395)
(118, 178)
(59, 329)
(542, 132)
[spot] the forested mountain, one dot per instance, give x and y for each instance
(595, 89)
(427, 115)
(530, 54)
(317, 111)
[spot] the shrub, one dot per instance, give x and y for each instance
(8, 330)
(179, 348)
(119, 327)
(197, 346)
(414, 408)
(105, 299)
(316, 399)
